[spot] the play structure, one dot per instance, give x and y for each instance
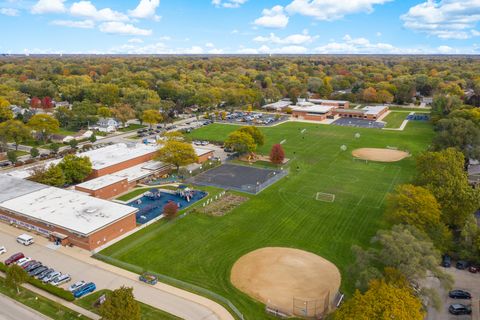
(185, 192)
(153, 194)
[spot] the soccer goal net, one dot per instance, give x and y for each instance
(325, 197)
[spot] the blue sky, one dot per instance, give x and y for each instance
(240, 26)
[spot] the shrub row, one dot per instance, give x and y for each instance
(56, 291)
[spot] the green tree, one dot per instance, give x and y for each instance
(44, 125)
(120, 304)
(75, 168)
(15, 130)
(458, 133)
(52, 176)
(382, 301)
(241, 142)
(73, 143)
(152, 117)
(34, 152)
(54, 147)
(15, 277)
(5, 113)
(416, 206)
(255, 133)
(12, 156)
(92, 138)
(442, 106)
(177, 153)
(443, 174)
(104, 112)
(123, 112)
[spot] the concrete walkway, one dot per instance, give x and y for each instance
(402, 126)
(81, 266)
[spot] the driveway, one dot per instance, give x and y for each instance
(81, 267)
(463, 280)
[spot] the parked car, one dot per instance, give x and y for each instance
(33, 266)
(149, 278)
(3, 250)
(25, 266)
(473, 269)
(76, 285)
(64, 278)
(45, 273)
(461, 265)
(89, 287)
(23, 261)
(51, 277)
(459, 294)
(459, 309)
(37, 271)
(14, 258)
(25, 239)
(446, 261)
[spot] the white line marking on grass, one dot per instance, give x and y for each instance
(283, 141)
(303, 131)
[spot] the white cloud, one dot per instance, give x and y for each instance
(84, 24)
(165, 38)
(192, 50)
(9, 12)
(215, 51)
(267, 50)
(209, 45)
(48, 6)
(135, 40)
(351, 45)
(155, 48)
(294, 39)
(146, 9)
(446, 19)
(445, 49)
(115, 27)
(331, 9)
(228, 3)
(272, 18)
(87, 10)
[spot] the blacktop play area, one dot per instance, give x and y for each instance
(239, 177)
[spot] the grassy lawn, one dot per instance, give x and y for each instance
(65, 132)
(201, 250)
(133, 194)
(418, 110)
(132, 127)
(43, 305)
(395, 119)
(148, 312)
(20, 153)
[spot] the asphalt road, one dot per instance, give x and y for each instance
(12, 310)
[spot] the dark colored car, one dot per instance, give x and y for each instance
(14, 258)
(37, 271)
(459, 309)
(461, 265)
(473, 269)
(33, 266)
(459, 294)
(446, 261)
(44, 274)
(149, 278)
(25, 266)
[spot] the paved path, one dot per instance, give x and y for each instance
(14, 310)
(81, 266)
(402, 126)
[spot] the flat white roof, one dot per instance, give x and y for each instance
(201, 151)
(68, 210)
(277, 105)
(327, 101)
(11, 187)
(314, 109)
(117, 153)
(373, 110)
(100, 182)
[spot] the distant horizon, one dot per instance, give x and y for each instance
(235, 27)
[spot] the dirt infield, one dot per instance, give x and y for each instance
(381, 155)
(275, 276)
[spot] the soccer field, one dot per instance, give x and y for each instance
(201, 249)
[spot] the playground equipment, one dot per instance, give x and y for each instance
(185, 192)
(153, 194)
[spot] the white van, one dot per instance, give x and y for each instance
(25, 239)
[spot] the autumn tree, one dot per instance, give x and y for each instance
(370, 95)
(35, 103)
(15, 277)
(123, 112)
(152, 117)
(5, 113)
(44, 125)
(416, 206)
(458, 133)
(47, 102)
(170, 210)
(104, 112)
(255, 133)
(241, 142)
(76, 169)
(52, 175)
(382, 300)
(384, 96)
(15, 130)
(177, 153)
(120, 304)
(443, 174)
(277, 155)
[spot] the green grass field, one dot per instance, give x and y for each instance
(395, 119)
(201, 250)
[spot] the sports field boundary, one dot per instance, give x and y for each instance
(173, 282)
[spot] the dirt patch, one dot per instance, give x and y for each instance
(275, 276)
(380, 155)
(224, 205)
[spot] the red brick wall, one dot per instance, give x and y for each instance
(121, 166)
(306, 116)
(89, 243)
(108, 192)
(203, 158)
